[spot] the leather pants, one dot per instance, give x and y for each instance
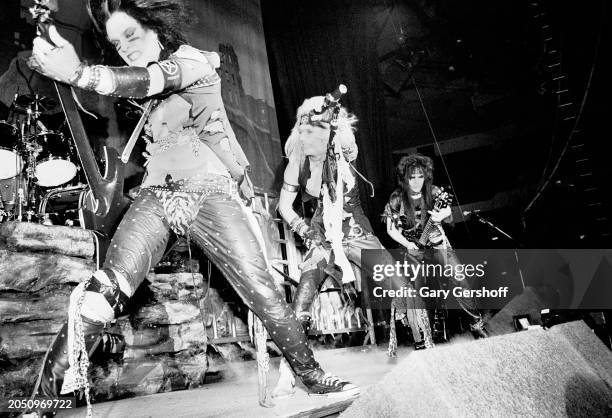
(222, 231)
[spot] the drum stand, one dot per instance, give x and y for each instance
(44, 191)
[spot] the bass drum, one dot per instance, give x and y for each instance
(53, 164)
(11, 162)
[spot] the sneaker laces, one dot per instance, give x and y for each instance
(331, 380)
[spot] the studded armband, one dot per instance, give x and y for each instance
(129, 82)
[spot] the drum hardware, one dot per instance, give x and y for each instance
(46, 219)
(61, 206)
(41, 104)
(13, 192)
(38, 167)
(20, 202)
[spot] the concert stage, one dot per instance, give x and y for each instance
(562, 371)
(236, 394)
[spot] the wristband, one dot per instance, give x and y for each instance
(129, 82)
(299, 226)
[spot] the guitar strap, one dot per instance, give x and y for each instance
(129, 147)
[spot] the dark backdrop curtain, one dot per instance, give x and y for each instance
(312, 47)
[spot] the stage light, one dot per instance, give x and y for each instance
(521, 322)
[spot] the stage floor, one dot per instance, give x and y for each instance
(237, 397)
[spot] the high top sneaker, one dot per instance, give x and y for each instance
(320, 383)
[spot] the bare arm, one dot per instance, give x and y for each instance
(397, 236)
(287, 197)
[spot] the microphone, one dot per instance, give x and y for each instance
(329, 106)
(335, 96)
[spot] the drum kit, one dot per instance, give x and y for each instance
(39, 170)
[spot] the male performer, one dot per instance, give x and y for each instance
(339, 229)
(196, 185)
(409, 208)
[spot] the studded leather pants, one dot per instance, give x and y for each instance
(221, 229)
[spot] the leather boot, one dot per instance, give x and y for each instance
(309, 285)
(55, 363)
(320, 383)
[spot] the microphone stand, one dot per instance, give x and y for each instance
(329, 113)
(487, 222)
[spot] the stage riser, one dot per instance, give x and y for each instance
(162, 334)
(33, 272)
(565, 371)
(32, 237)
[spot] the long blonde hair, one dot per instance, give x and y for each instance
(345, 132)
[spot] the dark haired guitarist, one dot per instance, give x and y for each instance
(411, 209)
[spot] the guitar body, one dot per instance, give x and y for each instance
(104, 202)
(105, 217)
(423, 241)
(431, 234)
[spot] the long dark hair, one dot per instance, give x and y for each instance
(166, 17)
(411, 164)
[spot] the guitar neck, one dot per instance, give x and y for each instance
(429, 226)
(77, 131)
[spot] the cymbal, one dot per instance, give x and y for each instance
(46, 105)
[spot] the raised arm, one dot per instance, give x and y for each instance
(62, 63)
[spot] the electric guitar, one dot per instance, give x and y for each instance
(425, 236)
(102, 202)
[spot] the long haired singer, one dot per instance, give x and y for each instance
(194, 163)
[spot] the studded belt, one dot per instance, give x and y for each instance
(206, 185)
